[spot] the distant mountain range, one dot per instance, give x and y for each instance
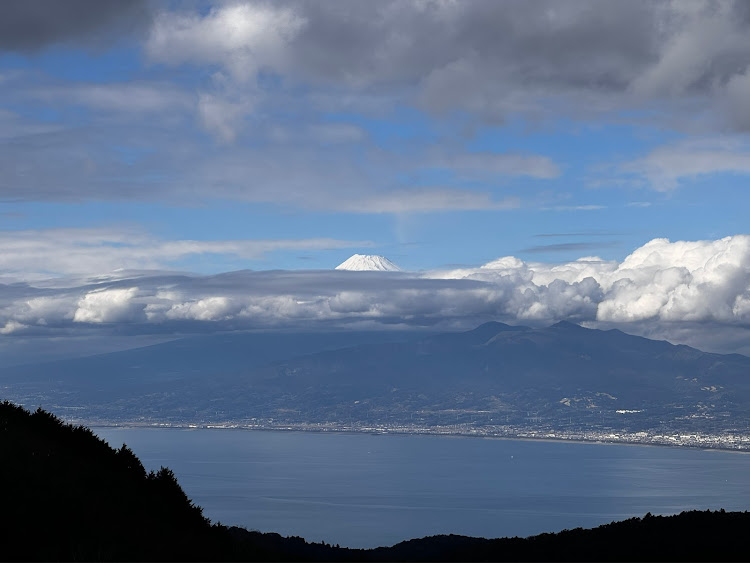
(496, 378)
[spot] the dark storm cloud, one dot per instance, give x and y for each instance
(593, 44)
(30, 25)
(487, 57)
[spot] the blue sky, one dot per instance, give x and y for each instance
(211, 137)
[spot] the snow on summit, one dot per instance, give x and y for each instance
(368, 262)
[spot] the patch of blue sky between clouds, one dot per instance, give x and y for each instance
(289, 136)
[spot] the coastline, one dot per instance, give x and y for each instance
(694, 441)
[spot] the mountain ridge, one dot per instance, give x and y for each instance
(497, 379)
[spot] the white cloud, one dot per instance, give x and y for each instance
(45, 310)
(12, 326)
(657, 288)
(666, 167)
(356, 177)
(242, 37)
(208, 309)
(684, 281)
(125, 97)
(470, 165)
(327, 133)
(425, 200)
(587, 207)
(681, 281)
(109, 306)
(311, 165)
(222, 116)
(238, 39)
(35, 254)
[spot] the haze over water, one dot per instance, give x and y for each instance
(362, 490)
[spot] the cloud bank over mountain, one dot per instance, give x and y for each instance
(662, 288)
(669, 281)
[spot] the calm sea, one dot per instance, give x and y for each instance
(362, 490)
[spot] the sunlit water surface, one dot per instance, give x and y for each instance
(362, 490)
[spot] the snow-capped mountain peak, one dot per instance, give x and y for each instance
(368, 262)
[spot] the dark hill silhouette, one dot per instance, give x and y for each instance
(68, 496)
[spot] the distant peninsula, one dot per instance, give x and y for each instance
(69, 496)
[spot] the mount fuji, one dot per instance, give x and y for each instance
(369, 263)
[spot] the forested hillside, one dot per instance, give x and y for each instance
(68, 496)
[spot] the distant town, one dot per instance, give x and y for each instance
(734, 441)
(562, 382)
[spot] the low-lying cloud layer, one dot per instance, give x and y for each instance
(64, 252)
(660, 286)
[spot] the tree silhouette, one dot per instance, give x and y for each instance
(68, 496)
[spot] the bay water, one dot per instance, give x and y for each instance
(365, 490)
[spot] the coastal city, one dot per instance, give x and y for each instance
(734, 441)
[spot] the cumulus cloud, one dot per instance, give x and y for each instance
(692, 281)
(208, 309)
(700, 281)
(657, 289)
(109, 306)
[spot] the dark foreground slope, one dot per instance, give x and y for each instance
(66, 495)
